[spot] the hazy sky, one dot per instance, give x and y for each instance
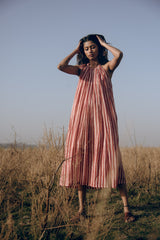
(36, 34)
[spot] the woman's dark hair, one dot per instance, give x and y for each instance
(103, 52)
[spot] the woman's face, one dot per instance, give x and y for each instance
(91, 50)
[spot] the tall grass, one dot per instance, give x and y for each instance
(34, 206)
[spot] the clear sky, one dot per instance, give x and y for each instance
(36, 34)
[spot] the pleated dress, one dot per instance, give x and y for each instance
(92, 155)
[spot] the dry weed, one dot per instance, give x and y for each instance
(26, 175)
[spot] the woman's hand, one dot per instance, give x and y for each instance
(102, 42)
(78, 47)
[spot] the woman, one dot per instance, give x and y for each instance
(92, 152)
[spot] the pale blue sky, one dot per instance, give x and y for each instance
(36, 34)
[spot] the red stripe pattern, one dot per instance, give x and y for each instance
(92, 144)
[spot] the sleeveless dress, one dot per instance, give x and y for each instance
(92, 155)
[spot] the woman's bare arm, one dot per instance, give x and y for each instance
(64, 64)
(111, 65)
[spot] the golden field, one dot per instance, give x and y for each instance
(34, 206)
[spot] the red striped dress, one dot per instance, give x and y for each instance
(92, 144)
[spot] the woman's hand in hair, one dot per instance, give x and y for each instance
(101, 41)
(78, 47)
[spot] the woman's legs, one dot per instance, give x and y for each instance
(128, 217)
(123, 192)
(82, 197)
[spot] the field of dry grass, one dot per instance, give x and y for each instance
(34, 206)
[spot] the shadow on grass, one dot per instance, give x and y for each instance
(149, 209)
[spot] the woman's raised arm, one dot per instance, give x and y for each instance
(65, 67)
(118, 54)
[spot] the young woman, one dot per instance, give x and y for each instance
(92, 152)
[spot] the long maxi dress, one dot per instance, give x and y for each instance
(92, 143)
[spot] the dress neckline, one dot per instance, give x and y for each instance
(92, 67)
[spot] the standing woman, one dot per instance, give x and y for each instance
(92, 152)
